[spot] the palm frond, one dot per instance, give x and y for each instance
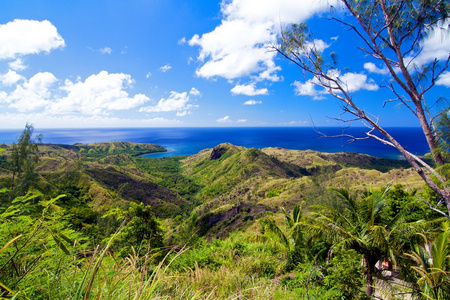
(271, 226)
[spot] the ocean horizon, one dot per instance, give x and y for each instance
(191, 140)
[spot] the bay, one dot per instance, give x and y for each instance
(188, 141)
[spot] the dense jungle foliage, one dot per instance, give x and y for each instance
(100, 222)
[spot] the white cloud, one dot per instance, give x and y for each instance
(372, 68)
(44, 120)
(17, 65)
(270, 73)
(248, 90)
(98, 95)
(148, 75)
(183, 113)
(436, 45)
(225, 119)
(316, 45)
(308, 89)
(32, 94)
(355, 81)
(252, 102)
(297, 123)
(194, 92)
(175, 102)
(242, 120)
(165, 68)
(444, 79)
(10, 78)
(238, 46)
(22, 37)
(351, 82)
(182, 41)
(3, 97)
(105, 50)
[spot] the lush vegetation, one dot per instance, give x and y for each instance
(227, 223)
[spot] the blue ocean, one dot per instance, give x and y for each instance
(188, 141)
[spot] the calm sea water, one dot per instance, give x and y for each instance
(188, 141)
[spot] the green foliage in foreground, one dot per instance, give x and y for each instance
(41, 257)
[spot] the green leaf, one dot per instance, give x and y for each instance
(47, 203)
(26, 198)
(60, 244)
(9, 243)
(64, 237)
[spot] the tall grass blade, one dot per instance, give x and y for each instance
(86, 288)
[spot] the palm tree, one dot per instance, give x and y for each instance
(358, 225)
(292, 238)
(433, 265)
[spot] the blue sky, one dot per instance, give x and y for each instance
(167, 63)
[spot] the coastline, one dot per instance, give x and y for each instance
(190, 140)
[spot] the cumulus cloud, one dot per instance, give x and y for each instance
(351, 82)
(45, 120)
(248, 90)
(3, 97)
(355, 81)
(105, 50)
(242, 120)
(17, 65)
(436, 45)
(10, 78)
(98, 95)
(296, 123)
(444, 79)
(225, 119)
(251, 102)
(316, 45)
(178, 102)
(372, 68)
(148, 75)
(165, 68)
(22, 37)
(194, 92)
(183, 113)
(32, 94)
(238, 46)
(308, 88)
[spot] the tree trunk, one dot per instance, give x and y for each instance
(369, 282)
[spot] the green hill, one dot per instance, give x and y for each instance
(227, 187)
(240, 185)
(204, 207)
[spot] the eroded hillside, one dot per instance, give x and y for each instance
(239, 184)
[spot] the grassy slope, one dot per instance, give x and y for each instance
(241, 185)
(233, 185)
(100, 150)
(108, 172)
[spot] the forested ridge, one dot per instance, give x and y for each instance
(99, 221)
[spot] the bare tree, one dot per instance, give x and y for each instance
(392, 32)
